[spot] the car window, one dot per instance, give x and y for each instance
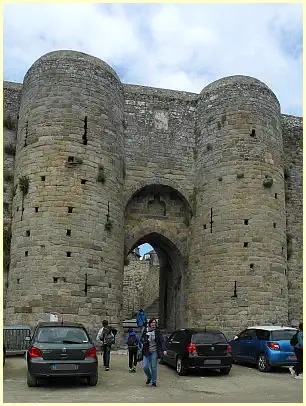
(252, 334)
(176, 336)
(262, 334)
(282, 334)
(61, 334)
(243, 335)
(207, 338)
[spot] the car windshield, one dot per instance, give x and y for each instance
(62, 334)
(282, 334)
(208, 338)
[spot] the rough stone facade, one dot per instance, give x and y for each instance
(201, 177)
(140, 285)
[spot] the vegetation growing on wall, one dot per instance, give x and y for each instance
(101, 174)
(9, 123)
(10, 149)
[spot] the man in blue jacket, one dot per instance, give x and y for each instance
(297, 370)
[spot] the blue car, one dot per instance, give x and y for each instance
(266, 346)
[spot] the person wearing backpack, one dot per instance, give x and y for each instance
(141, 320)
(133, 342)
(297, 342)
(106, 336)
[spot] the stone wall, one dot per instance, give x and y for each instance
(11, 104)
(292, 128)
(140, 285)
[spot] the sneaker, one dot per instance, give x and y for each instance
(148, 381)
(106, 368)
(298, 377)
(154, 385)
(292, 371)
(130, 370)
(134, 369)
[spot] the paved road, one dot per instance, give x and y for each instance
(243, 384)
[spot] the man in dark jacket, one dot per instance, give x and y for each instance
(153, 347)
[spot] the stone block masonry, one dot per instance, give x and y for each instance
(212, 180)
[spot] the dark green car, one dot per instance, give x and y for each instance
(61, 350)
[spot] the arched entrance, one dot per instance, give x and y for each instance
(159, 215)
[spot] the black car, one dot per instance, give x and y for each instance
(193, 348)
(61, 350)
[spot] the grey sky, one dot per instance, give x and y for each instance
(176, 46)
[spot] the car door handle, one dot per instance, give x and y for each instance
(175, 342)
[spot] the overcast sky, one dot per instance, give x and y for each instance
(174, 46)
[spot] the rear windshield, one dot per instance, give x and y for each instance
(208, 338)
(62, 335)
(282, 334)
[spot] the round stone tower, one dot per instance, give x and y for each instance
(237, 272)
(67, 227)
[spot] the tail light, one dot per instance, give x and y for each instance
(192, 348)
(273, 346)
(92, 352)
(34, 352)
(229, 349)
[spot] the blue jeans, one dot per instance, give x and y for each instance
(150, 366)
(106, 354)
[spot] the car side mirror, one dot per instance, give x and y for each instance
(236, 338)
(28, 338)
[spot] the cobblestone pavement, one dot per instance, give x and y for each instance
(243, 384)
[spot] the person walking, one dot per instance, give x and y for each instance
(153, 347)
(133, 343)
(141, 320)
(297, 341)
(106, 336)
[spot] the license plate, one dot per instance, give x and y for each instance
(212, 361)
(292, 357)
(64, 367)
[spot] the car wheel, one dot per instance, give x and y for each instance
(31, 380)
(93, 380)
(225, 371)
(180, 369)
(263, 363)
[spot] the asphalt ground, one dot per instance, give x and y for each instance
(243, 384)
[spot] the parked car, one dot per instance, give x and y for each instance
(61, 350)
(194, 348)
(266, 346)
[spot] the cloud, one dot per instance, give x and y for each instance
(177, 46)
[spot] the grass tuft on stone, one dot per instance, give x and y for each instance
(108, 225)
(101, 174)
(9, 123)
(10, 149)
(267, 182)
(24, 184)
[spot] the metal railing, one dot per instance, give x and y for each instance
(14, 339)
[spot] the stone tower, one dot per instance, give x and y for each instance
(239, 267)
(212, 181)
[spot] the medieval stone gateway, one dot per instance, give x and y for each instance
(213, 181)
